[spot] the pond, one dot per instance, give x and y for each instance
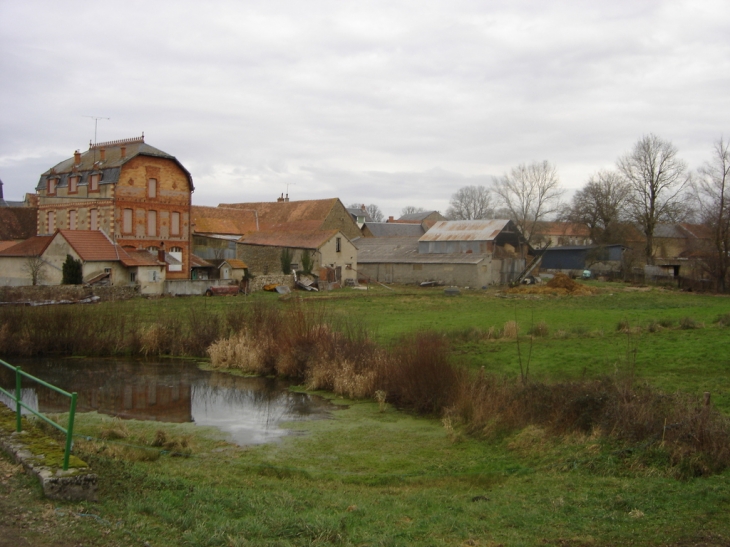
(250, 410)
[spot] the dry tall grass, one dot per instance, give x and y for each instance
(416, 373)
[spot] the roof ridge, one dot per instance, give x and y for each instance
(118, 142)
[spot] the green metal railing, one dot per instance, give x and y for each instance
(20, 404)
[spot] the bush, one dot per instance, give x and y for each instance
(723, 320)
(687, 323)
(540, 329)
(71, 272)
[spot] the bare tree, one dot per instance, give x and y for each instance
(34, 267)
(410, 209)
(470, 203)
(375, 213)
(600, 206)
(531, 193)
(372, 210)
(656, 179)
(712, 192)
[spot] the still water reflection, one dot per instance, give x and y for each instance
(249, 409)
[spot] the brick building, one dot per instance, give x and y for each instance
(138, 195)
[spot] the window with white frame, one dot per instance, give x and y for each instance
(51, 186)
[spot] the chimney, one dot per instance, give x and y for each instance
(280, 198)
(102, 153)
(287, 197)
(161, 254)
(390, 219)
(123, 149)
(77, 157)
(363, 208)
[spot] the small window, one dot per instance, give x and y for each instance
(295, 266)
(72, 219)
(94, 183)
(338, 244)
(151, 223)
(152, 188)
(127, 221)
(153, 275)
(133, 276)
(51, 186)
(73, 185)
(107, 270)
(94, 219)
(51, 218)
(266, 269)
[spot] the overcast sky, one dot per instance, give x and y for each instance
(395, 103)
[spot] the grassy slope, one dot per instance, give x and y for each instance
(371, 478)
(366, 478)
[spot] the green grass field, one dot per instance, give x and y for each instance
(390, 478)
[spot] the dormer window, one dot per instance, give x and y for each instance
(51, 186)
(152, 188)
(94, 182)
(73, 185)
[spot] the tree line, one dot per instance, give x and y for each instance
(648, 186)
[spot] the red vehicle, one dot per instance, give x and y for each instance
(222, 290)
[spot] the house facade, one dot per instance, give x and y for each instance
(262, 251)
(102, 261)
(469, 253)
(138, 195)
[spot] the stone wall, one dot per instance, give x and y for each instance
(42, 293)
(258, 282)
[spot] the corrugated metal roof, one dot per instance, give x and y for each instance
(296, 240)
(465, 230)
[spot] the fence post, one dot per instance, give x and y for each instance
(18, 425)
(69, 431)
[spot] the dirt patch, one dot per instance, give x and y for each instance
(559, 285)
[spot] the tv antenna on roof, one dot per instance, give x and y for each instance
(96, 123)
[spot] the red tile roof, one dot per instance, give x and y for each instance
(18, 222)
(132, 258)
(197, 262)
(91, 246)
(33, 246)
(297, 240)
(561, 229)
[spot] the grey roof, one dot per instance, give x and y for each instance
(417, 216)
(404, 250)
(669, 231)
(394, 229)
(467, 230)
(355, 212)
(111, 166)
